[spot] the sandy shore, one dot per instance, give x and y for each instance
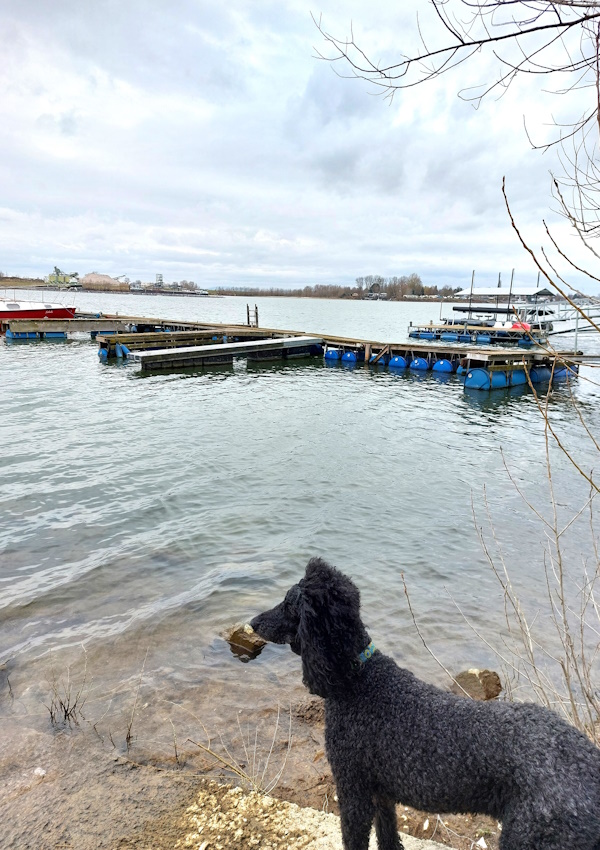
(59, 794)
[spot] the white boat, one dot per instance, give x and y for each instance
(17, 309)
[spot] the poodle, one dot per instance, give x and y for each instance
(391, 738)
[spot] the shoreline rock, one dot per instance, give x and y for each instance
(228, 818)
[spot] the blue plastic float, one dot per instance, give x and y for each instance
(383, 360)
(539, 374)
(443, 366)
(398, 362)
(481, 379)
(419, 364)
(517, 377)
(333, 354)
(566, 372)
(24, 335)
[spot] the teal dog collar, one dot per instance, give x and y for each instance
(367, 653)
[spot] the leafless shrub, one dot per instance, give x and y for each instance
(68, 696)
(254, 768)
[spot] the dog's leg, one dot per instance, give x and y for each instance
(530, 826)
(386, 825)
(356, 815)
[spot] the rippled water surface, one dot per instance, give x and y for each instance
(139, 516)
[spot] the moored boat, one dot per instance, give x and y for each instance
(17, 309)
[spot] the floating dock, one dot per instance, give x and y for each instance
(161, 344)
(220, 353)
(477, 334)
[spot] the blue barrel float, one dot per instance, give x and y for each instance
(426, 335)
(539, 374)
(449, 336)
(565, 372)
(398, 362)
(483, 379)
(349, 358)
(383, 360)
(484, 339)
(443, 366)
(419, 364)
(517, 377)
(333, 354)
(22, 334)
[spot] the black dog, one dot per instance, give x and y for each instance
(391, 738)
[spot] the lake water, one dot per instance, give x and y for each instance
(141, 516)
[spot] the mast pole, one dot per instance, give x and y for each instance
(471, 292)
(510, 289)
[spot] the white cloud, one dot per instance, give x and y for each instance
(207, 142)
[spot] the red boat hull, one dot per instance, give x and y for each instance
(10, 310)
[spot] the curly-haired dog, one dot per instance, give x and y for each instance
(391, 738)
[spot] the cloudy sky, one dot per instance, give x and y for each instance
(205, 141)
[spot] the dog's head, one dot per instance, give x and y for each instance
(320, 620)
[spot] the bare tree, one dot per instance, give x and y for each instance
(558, 41)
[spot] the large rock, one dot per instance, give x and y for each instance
(478, 684)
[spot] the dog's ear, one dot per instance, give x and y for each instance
(330, 632)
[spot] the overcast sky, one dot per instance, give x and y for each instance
(205, 141)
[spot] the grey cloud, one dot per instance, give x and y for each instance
(204, 141)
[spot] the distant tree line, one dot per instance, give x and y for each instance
(394, 289)
(406, 286)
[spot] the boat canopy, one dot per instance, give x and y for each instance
(504, 291)
(486, 308)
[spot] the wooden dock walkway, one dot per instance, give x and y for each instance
(220, 353)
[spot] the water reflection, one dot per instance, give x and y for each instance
(498, 400)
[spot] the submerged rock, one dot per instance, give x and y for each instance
(243, 641)
(478, 684)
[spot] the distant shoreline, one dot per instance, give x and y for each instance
(39, 286)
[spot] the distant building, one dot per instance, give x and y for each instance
(63, 279)
(517, 293)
